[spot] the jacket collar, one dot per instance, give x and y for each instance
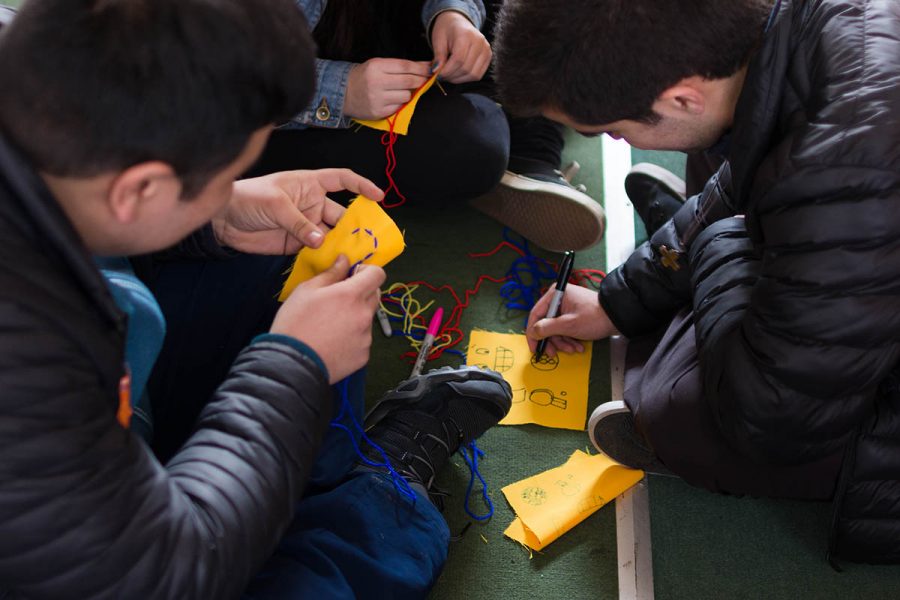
(51, 230)
(756, 114)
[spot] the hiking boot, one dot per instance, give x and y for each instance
(544, 207)
(612, 432)
(426, 419)
(656, 194)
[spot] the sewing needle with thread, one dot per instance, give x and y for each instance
(433, 328)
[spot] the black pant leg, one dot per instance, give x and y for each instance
(456, 149)
(663, 390)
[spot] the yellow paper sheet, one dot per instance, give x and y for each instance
(551, 503)
(403, 116)
(365, 234)
(553, 392)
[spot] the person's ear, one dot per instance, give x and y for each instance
(682, 99)
(152, 182)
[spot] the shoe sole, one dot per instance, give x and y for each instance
(412, 390)
(667, 178)
(615, 407)
(551, 215)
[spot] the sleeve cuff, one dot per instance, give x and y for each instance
(297, 345)
(327, 106)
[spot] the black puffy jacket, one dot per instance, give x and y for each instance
(85, 510)
(798, 326)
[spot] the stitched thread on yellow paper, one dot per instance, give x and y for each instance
(403, 116)
(551, 503)
(364, 234)
(552, 392)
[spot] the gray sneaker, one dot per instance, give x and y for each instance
(612, 432)
(546, 209)
(424, 420)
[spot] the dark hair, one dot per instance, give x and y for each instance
(357, 30)
(93, 86)
(600, 61)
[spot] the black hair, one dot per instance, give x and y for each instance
(601, 61)
(357, 30)
(94, 86)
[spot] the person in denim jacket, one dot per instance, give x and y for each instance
(372, 58)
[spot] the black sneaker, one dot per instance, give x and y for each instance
(611, 428)
(656, 194)
(544, 207)
(422, 422)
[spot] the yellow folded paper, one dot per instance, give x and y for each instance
(402, 117)
(365, 234)
(551, 503)
(552, 392)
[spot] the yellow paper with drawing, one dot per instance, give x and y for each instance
(365, 234)
(553, 502)
(403, 116)
(552, 392)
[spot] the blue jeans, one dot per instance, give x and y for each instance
(353, 532)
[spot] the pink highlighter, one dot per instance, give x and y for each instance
(433, 328)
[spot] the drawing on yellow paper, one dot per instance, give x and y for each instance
(551, 392)
(364, 234)
(550, 503)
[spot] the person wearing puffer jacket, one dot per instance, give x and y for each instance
(763, 317)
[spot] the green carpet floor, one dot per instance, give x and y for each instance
(704, 546)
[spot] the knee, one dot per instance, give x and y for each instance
(470, 135)
(483, 149)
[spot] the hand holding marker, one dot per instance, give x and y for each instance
(565, 270)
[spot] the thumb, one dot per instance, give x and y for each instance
(333, 274)
(547, 328)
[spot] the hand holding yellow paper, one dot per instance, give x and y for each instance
(551, 503)
(365, 234)
(551, 392)
(402, 117)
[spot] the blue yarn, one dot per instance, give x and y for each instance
(525, 276)
(473, 470)
(400, 482)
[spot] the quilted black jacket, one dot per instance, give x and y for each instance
(85, 509)
(798, 313)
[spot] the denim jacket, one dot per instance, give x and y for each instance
(327, 106)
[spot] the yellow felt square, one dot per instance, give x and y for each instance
(552, 392)
(364, 234)
(402, 117)
(549, 504)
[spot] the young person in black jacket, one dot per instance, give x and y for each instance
(763, 316)
(123, 125)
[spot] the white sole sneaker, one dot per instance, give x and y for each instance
(554, 216)
(664, 176)
(612, 432)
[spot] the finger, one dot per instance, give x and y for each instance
(332, 213)
(540, 310)
(401, 96)
(337, 180)
(567, 345)
(398, 66)
(366, 279)
(337, 272)
(546, 328)
(481, 65)
(290, 218)
(452, 69)
(404, 82)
